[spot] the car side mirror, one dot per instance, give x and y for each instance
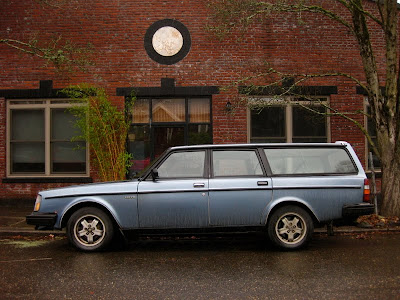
(154, 174)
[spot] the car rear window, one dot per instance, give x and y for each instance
(309, 161)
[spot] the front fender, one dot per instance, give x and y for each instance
(123, 210)
(80, 202)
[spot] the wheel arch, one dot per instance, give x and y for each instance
(288, 202)
(68, 213)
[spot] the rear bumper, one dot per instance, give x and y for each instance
(42, 219)
(357, 210)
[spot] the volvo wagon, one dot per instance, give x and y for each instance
(282, 189)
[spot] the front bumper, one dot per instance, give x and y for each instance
(356, 210)
(42, 219)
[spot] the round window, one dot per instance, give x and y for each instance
(167, 41)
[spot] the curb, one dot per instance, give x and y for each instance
(355, 229)
(336, 230)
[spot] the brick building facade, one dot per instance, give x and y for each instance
(180, 83)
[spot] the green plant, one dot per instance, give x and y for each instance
(104, 127)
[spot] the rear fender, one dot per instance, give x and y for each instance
(288, 201)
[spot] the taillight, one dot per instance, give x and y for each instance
(367, 191)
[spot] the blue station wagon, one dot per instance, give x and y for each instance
(282, 189)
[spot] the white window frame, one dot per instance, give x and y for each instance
(289, 103)
(46, 105)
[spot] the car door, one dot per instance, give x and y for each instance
(239, 188)
(178, 198)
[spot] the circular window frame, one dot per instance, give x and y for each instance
(167, 60)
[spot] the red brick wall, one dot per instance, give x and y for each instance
(116, 30)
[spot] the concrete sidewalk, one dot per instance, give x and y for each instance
(12, 221)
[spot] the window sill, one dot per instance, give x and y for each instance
(378, 174)
(48, 180)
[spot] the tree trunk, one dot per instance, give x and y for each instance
(390, 183)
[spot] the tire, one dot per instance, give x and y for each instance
(290, 227)
(90, 229)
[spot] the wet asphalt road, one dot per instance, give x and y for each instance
(339, 267)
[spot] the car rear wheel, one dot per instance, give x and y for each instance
(90, 229)
(290, 227)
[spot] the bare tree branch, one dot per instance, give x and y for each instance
(356, 4)
(384, 104)
(63, 55)
(52, 3)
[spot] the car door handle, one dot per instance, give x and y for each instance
(262, 183)
(198, 185)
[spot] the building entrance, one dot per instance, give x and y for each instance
(160, 123)
(167, 136)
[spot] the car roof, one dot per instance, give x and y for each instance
(256, 145)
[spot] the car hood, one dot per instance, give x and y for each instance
(109, 188)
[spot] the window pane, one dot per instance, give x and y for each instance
(27, 158)
(200, 134)
(27, 125)
(68, 157)
(139, 147)
(375, 159)
(309, 140)
(309, 161)
(370, 123)
(183, 165)
(140, 111)
(268, 125)
(199, 110)
(168, 136)
(62, 125)
(371, 127)
(169, 110)
(236, 163)
(309, 126)
(372, 133)
(23, 102)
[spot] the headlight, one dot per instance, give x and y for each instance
(37, 203)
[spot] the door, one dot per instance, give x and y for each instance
(148, 142)
(239, 189)
(179, 197)
(167, 136)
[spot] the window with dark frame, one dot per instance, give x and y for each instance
(158, 123)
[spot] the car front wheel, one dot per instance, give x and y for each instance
(90, 229)
(290, 227)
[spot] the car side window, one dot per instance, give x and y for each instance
(188, 164)
(310, 161)
(236, 163)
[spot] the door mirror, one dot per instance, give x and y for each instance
(154, 174)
